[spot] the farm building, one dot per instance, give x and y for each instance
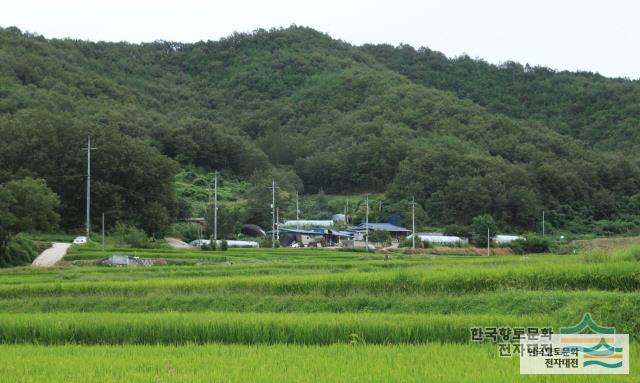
(231, 243)
(396, 232)
(504, 238)
(313, 237)
(308, 223)
(441, 239)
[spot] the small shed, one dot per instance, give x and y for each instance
(118, 260)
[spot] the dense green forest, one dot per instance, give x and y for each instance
(319, 115)
(598, 110)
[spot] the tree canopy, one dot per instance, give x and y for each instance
(462, 136)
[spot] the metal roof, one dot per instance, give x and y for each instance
(338, 233)
(439, 238)
(506, 238)
(306, 231)
(380, 227)
(309, 222)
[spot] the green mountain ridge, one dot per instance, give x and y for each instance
(316, 114)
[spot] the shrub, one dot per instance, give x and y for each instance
(531, 244)
(20, 251)
(479, 227)
(379, 236)
(131, 236)
(185, 231)
(420, 244)
(265, 242)
(224, 245)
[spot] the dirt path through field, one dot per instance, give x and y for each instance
(177, 244)
(52, 255)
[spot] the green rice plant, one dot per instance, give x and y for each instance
(247, 328)
(435, 362)
(610, 277)
(609, 307)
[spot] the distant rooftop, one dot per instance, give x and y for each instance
(309, 222)
(380, 227)
(338, 233)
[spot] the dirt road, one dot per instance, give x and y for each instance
(52, 255)
(177, 244)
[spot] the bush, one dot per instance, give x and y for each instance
(185, 231)
(531, 244)
(131, 236)
(224, 245)
(479, 227)
(20, 251)
(265, 242)
(379, 236)
(420, 244)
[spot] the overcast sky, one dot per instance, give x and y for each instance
(598, 36)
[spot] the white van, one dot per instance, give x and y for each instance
(80, 240)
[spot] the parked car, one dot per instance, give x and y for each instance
(80, 240)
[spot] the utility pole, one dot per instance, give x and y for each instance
(278, 224)
(366, 243)
(543, 223)
(413, 222)
(488, 242)
(346, 212)
(89, 149)
(297, 212)
(215, 208)
(273, 214)
(103, 231)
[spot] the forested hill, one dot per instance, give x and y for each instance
(316, 114)
(599, 110)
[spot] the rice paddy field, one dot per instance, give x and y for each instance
(302, 315)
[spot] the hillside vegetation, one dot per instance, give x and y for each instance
(462, 136)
